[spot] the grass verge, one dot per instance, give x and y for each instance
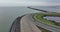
(39, 18)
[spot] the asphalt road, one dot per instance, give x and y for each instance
(28, 24)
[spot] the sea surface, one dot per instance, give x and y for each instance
(9, 14)
(49, 8)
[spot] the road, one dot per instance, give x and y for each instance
(27, 25)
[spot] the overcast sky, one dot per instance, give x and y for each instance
(29, 2)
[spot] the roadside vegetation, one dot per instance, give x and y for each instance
(39, 18)
(43, 30)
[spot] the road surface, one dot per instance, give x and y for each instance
(27, 25)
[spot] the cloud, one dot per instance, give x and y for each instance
(28, 3)
(22, 3)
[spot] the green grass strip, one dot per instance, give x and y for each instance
(39, 18)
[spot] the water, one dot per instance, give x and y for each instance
(49, 8)
(56, 19)
(9, 14)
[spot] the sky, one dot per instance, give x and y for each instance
(29, 2)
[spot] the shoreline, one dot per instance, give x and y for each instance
(16, 25)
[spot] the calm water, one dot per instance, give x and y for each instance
(50, 8)
(9, 14)
(56, 19)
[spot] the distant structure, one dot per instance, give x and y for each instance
(37, 9)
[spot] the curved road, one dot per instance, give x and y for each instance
(28, 24)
